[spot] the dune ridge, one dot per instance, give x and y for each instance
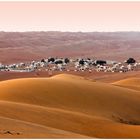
(73, 105)
(132, 83)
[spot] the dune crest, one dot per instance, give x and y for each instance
(132, 83)
(67, 76)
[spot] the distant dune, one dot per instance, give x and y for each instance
(28, 46)
(67, 106)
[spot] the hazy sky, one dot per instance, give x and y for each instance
(70, 16)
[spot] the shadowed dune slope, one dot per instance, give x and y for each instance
(132, 83)
(71, 105)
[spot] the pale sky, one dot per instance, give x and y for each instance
(70, 16)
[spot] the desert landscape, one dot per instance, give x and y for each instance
(68, 97)
(69, 69)
(89, 101)
(38, 45)
(86, 108)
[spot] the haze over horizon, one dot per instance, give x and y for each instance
(70, 16)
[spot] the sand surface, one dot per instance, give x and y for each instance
(132, 83)
(27, 46)
(69, 106)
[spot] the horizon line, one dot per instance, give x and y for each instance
(69, 31)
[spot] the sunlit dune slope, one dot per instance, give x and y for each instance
(132, 83)
(71, 92)
(14, 128)
(71, 103)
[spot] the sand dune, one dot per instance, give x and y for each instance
(37, 45)
(69, 106)
(14, 128)
(132, 83)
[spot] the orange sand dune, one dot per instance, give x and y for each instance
(14, 128)
(70, 106)
(132, 83)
